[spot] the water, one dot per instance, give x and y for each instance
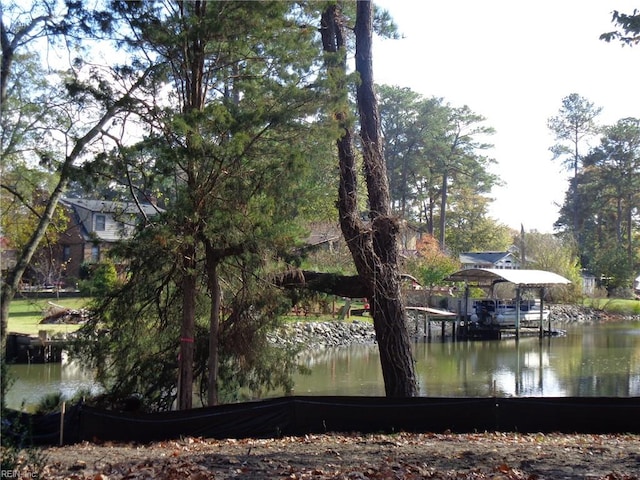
(33, 382)
(602, 360)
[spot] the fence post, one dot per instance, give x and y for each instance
(62, 411)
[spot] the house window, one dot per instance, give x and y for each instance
(95, 253)
(100, 223)
(66, 253)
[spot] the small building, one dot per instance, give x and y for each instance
(323, 236)
(500, 260)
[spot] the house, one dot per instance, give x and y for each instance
(504, 260)
(94, 226)
(323, 236)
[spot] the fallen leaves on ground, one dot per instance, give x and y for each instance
(402, 456)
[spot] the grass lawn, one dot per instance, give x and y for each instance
(25, 315)
(615, 305)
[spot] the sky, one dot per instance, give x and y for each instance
(513, 62)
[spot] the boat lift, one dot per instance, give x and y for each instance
(522, 279)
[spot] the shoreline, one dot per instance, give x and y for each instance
(337, 333)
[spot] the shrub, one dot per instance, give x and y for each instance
(100, 278)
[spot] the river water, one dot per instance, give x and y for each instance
(600, 360)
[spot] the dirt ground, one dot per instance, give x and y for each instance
(336, 456)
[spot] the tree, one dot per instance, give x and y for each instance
(225, 126)
(78, 131)
(609, 189)
(433, 153)
(431, 266)
(574, 124)
(373, 246)
(628, 28)
(457, 157)
(22, 208)
(405, 121)
(558, 254)
(469, 227)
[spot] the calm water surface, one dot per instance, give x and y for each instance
(601, 360)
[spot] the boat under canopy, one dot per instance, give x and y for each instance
(492, 316)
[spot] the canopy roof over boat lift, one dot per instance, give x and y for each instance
(522, 279)
(486, 277)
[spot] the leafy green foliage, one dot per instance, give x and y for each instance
(604, 199)
(434, 162)
(133, 338)
(628, 28)
(228, 151)
(556, 254)
(470, 229)
(102, 279)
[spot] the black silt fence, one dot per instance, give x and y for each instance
(300, 415)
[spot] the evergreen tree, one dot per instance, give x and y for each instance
(609, 196)
(628, 25)
(574, 125)
(226, 122)
(433, 154)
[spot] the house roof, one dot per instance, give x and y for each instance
(483, 257)
(125, 215)
(323, 232)
(106, 206)
(526, 278)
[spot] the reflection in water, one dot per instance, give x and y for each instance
(341, 371)
(601, 360)
(32, 382)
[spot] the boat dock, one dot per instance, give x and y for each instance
(22, 348)
(495, 318)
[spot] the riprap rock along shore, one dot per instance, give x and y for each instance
(314, 334)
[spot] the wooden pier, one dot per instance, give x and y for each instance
(424, 317)
(22, 348)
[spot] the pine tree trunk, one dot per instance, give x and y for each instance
(398, 366)
(374, 247)
(443, 209)
(214, 326)
(187, 331)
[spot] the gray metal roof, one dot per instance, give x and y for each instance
(527, 278)
(106, 206)
(483, 257)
